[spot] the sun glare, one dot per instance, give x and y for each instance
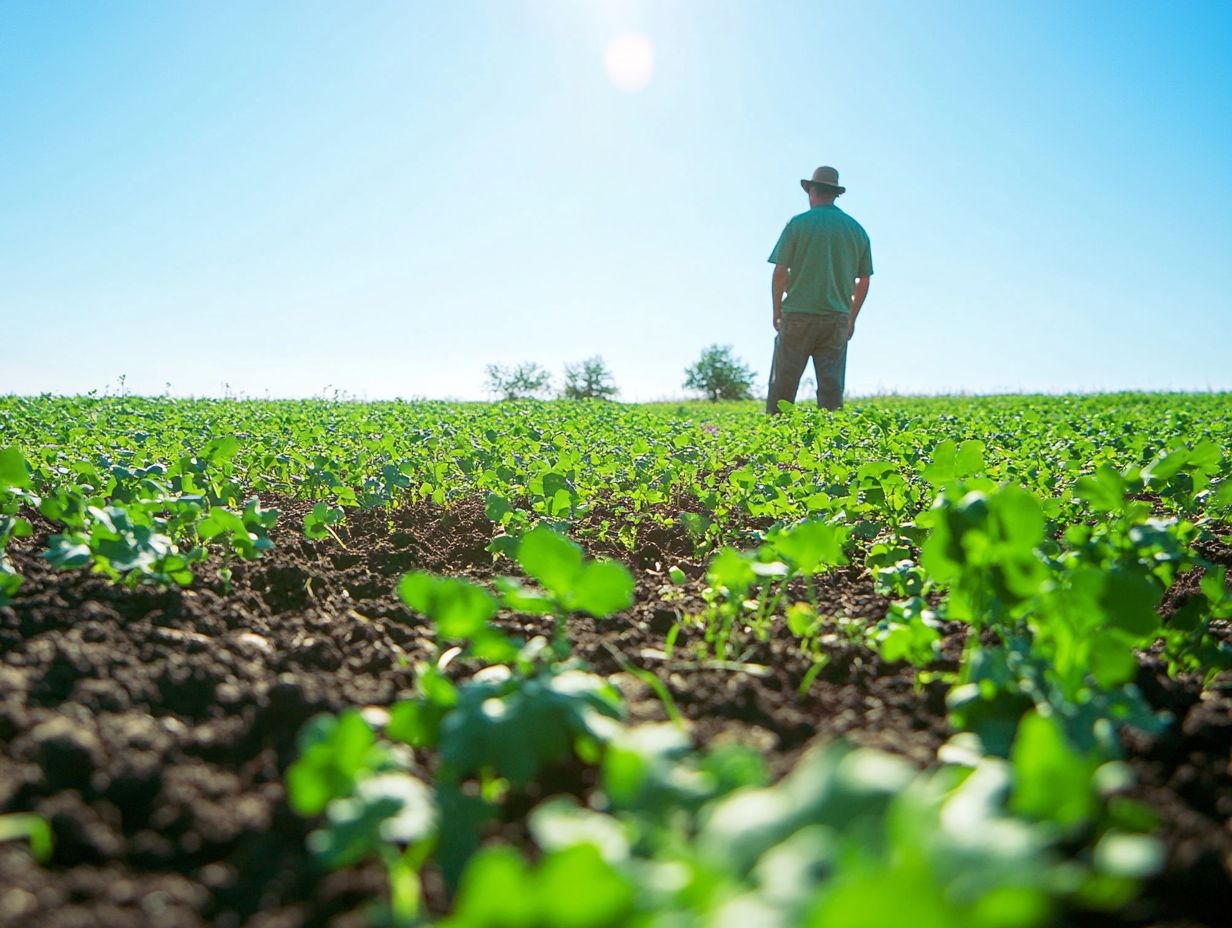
(629, 61)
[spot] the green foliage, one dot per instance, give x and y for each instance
(909, 632)
(32, 828)
(745, 589)
(320, 520)
(1055, 782)
(589, 380)
(512, 726)
(246, 534)
(13, 472)
(983, 546)
(719, 375)
(575, 584)
(521, 382)
(570, 582)
(335, 753)
(125, 542)
(460, 611)
(382, 810)
(1069, 534)
(570, 888)
(847, 837)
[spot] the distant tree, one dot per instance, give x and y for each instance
(719, 375)
(589, 380)
(522, 382)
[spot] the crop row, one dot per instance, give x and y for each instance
(1026, 812)
(1051, 529)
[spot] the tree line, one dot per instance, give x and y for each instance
(717, 375)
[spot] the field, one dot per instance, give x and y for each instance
(938, 662)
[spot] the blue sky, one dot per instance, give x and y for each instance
(383, 198)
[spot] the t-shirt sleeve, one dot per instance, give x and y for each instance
(785, 251)
(865, 267)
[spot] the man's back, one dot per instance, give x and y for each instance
(826, 250)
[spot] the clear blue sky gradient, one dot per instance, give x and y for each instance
(386, 197)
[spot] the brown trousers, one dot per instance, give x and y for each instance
(823, 338)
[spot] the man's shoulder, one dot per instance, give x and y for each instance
(826, 221)
(854, 223)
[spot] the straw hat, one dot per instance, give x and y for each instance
(827, 177)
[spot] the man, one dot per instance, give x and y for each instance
(822, 264)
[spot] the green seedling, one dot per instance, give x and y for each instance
(569, 582)
(319, 522)
(31, 828)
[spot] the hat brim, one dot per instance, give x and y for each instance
(805, 184)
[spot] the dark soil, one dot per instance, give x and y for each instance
(153, 728)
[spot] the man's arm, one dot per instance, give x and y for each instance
(778, 286)
(858, 295)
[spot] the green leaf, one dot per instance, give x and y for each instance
(318, 520)
(1223, 494)
(460, 609)
(970, 458)
(1104, 489)
(1205, 457)
(1214, 587)
(802, 620)
(809, 546)
(602, 588)
(1020, 516)
(515, 595)
(550, 558)
(554, 483)
(220, 450)
(1165, 467)
(493, 892)
(257, 517)
(515, 727)
(1111, 660)
(578, 889)
(415, 723)
(913, 640)
(221, 521)
(68, 552)
(34, 829)
(496, 508)
(387, 808)
(13, 472)
(732, 570)
(1130, 601)
(334, 751)
(1052, 782)
(10, 581)
(697, 525)
(944, 466)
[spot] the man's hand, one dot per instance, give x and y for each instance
(778, 286)
(858, 295)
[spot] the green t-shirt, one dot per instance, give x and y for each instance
(826, 251)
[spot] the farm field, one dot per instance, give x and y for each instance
(954, 661)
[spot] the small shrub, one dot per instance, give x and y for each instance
(720, 375)
(589, 380)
